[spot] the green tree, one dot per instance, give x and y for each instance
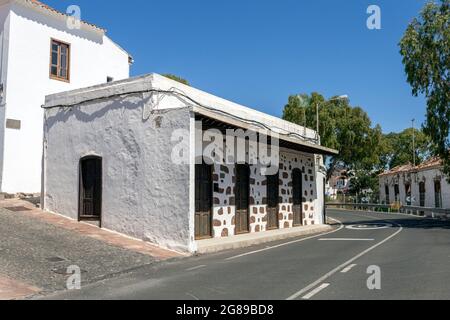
(342, 127)
(400, 147)
(425, 48)
(364, 180)
(177, 78)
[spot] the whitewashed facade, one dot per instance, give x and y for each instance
(27, 28)
(119, 140)
(421, 186)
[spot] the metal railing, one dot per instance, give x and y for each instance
(436, 213)
(428, 212)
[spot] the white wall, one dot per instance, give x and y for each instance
(4, 45)
(93, 58)
(428, 176)
(145, 195)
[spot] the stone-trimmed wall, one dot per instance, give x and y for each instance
(224, 209)
(224, 189)
(289, 162)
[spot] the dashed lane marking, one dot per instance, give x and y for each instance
(350, 267)
(344, 265)
(345, 239)
(316, 291)
(196, 268)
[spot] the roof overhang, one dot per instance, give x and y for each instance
(286, 141)
(40, 6)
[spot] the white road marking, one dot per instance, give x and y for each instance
(369, 226)
(350, 267)
(344, 239)
(344, 265)
(196, 268)
(192, 296)
(316, 291)
(288, 243)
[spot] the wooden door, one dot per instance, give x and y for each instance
(297, 193)
(273, 194)
(90, 188)
(203, 201)
(422, 194)
(242, 199)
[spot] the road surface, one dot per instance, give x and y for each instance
(412, 256)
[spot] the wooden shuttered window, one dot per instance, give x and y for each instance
(60, 60)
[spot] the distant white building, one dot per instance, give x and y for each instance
(339, 183)
(421, 186)
(41, 55)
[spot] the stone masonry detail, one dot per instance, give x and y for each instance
(224, 180)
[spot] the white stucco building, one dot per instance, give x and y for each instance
(339, 183)
(129, 155)
(420, 186)
(41, 55)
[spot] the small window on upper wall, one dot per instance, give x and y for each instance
(60, 61)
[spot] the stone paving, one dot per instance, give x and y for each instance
(36, 248)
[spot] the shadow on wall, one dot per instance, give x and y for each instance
(118, 102)
(63, 114)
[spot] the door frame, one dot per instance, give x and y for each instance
(277, 208)
(301, 196)
(211, 209)
(248, 200)
(98, 218)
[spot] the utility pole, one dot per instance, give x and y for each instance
(414, 141)
(318, 122)
(304, 121)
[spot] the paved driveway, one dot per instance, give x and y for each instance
(36, 253)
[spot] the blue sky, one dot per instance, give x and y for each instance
(258, 52)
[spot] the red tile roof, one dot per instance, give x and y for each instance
(429, 164)
(53, 10)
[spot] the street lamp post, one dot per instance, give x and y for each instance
(414, 141)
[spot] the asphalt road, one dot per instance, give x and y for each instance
(412, 256)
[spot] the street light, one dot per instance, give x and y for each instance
(340, 98)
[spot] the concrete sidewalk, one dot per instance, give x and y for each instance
(251, 239)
